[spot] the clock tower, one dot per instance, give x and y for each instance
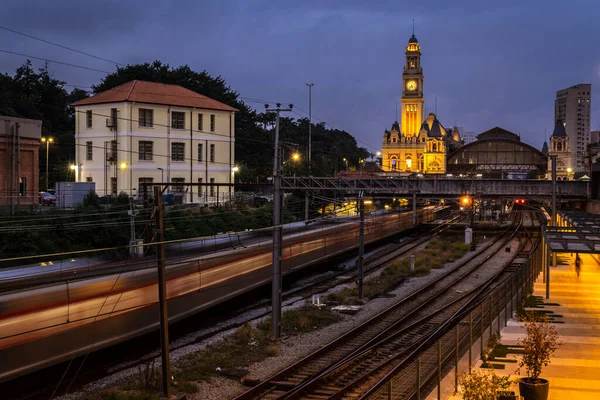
(412, 90)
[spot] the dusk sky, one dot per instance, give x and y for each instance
(487, 63)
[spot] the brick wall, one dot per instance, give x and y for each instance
(29, 170)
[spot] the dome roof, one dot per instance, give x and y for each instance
(413, 39)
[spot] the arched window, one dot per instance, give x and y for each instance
(434, 146)
(434, 166)
(408, 163)
(394, 140)
(421, 162)
(559, 146)
(394, 162)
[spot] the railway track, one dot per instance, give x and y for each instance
(393, 328)
(429, 364)
(374, 262)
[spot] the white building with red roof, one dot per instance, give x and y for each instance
(154, 132)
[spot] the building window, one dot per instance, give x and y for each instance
(200, 187)
(111, 154)
(394, 163)
(145, 149)
(212, 187)
(89, 179)
(200, 152)
(200, 122)
(177, 187)
(113, 117)
(89, 151)
(113, 185)
(23, 186)
(146, 117)
(142, 180)
(212, 122)
(177, 151)
(408, 163)
(88, 117)
(178, 120)
(212, 153)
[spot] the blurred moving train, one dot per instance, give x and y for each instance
(52, 323)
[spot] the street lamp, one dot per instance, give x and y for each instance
(296, 156)
(123, 166)
(362, 163)
(162, 174)
(47, 140)
(235, 169)
(346, 161)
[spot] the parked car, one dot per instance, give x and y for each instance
(47, 199)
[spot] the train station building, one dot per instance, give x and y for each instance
(417, 144)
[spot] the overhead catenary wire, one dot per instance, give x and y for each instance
(54, 61)
(59, 45)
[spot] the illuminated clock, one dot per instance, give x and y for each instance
(411, 85)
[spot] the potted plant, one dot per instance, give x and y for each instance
(538, 346)
(483, 385)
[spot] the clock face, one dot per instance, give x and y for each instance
(411, 85)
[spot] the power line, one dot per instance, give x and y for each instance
(54, 61)
(59, 45)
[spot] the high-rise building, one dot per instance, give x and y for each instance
(572, 106)
(468, 137)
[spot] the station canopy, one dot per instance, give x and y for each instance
(495, 153)
(583, 236)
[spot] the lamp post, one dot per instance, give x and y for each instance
(378, 160)
(162, 174)
(47, 140)
(346, 161)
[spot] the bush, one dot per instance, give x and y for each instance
(538, 346)
(483, 385)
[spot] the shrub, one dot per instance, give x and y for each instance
(538, 346)
(483, 385)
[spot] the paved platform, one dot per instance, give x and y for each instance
(574, 372)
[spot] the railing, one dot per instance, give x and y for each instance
(452, 348)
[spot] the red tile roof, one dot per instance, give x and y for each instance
(155, 93)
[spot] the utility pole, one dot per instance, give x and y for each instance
(361, 244)
(132, 248)
(553, 221)
(162, 294)
(306, 197)
(277, 228)
(310, 85)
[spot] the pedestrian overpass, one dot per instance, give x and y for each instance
(440, 186)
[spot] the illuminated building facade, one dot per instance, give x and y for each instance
(418, 144)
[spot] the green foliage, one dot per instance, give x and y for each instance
(91, 200)
(538, 346)
(254, 131)
(37, 95)
(307, 318)
(483, 385)
(245, 346)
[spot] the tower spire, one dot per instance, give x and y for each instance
(413, 27)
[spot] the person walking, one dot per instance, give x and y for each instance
(577, 264)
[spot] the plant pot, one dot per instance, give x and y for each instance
(534, 389)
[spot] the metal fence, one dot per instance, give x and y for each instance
(451, 351)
